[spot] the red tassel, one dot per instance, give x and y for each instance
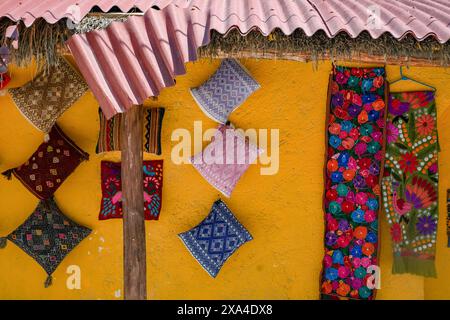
(4, 80)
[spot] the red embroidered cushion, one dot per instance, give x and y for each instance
(49, 165)
(111, 206)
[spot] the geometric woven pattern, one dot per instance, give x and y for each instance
(109, 134)
(48, 236)
(225, 159)
(49, 165)
(111, 205)
(110, 131)
(226, 90)
(152, 130)
(46, 97)
(216, 238)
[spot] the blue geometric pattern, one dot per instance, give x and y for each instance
(228, 88)
(216, 238)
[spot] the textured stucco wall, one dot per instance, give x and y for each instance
(283, 212)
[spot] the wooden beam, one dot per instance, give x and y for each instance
(304, 57)
(135, 266)
(356, 58)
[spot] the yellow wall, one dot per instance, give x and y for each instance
(283, 212)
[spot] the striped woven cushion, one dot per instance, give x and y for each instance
(109, 136)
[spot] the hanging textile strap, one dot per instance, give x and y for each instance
(7, 174)
(48, 281)
(3, 242)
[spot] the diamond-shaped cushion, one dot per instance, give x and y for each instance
(226, 90)
(51, 93)
(48, 236)
(49, 165)
(216, 238)
(224, 168)
(111, 206)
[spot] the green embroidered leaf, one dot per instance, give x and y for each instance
(412, 127)
(394, 151)
(426, 151)
(411, 227)
(396, 176)
(434, 179)
(401, 146)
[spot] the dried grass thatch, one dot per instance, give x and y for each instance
(43, 42)
(319, 46)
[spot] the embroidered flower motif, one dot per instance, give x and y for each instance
(391, 133)
(419, 99)
(425, 125)
(420, 193)
(426, 225)
(397, 107)
(408, 162)
(353, 167)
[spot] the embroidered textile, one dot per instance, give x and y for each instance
(355, 123)
(111, 205)
(48, 236)
(216, 238)
(410, 183)
(50, 164)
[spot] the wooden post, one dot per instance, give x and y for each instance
(134, 263)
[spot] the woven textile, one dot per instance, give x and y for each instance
(48, 236)
(226, 90)
(216, 238)
(410, 185)
(50, 164)
(225, 159)
(152, 130)
(354, 159)
(111, 206)
(109, 135)
(46, 98)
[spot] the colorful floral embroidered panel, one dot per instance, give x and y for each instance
(48, 236)
(410, 183)
(111, 205)
(355, 134)
(49, 165)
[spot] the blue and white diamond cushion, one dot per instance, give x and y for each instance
(226, 90)
(216, 238)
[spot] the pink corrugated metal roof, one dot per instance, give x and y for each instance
(421, 18)
(54, 10)
(130, 61)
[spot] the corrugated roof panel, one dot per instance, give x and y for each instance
(127, 62)
(54, 10)
(400, 17)
(130, 61)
